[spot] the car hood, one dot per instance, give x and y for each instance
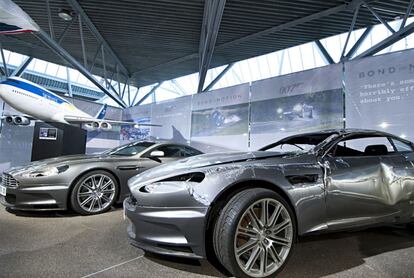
(199, 161)
(56, 161)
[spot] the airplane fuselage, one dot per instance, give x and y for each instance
(33, 100)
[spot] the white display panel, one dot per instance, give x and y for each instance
(300, 102)
(380, 93)
(174, 116)
(219, 119)
(138, 114)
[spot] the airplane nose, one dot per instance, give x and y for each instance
(3, 90)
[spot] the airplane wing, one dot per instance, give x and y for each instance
(86, 120)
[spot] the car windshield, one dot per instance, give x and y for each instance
(130, 149)
(300, 143)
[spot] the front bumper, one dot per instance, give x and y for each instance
(40, 197)
(167, 230)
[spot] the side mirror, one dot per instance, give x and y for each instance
(157, 154)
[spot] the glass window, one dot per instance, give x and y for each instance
(191, 152)
(178, 151)
(171, 151)
(287, 148)
(130, 149)
(401, 146)
(363, 146)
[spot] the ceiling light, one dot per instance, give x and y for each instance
(65, 14)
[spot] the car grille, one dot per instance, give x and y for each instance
(9, 181)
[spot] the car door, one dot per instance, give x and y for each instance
(400, 177)
(357, 189)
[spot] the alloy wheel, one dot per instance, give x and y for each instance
(96, 193)
(263, 238)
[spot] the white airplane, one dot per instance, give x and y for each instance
(38, 103)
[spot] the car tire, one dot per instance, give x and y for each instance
(94, 192)
(271, 243)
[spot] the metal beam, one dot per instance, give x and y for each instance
(213, 12)
(94, 57)
(69, 82)
(178, 86)
(129, 92)
(78, 9)
(358, 43)
(278, 28)
(62, 35)
(20, 69)
(218, 77)
(85, 61)
(407, 14)
(125, 85)
(49, 20)
(378, 17)
(351, 29)
(325, 54)
(135, 97)
(407, 30)
(148, 94)
(119, 83)
(47, 40)
(104, 65)
(6, 71)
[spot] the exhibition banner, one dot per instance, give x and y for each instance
(98, 140)
(380, 93)
(139, 114)
(174, 116)
(300, 102)
(219, 119)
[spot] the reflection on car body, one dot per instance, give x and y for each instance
(247, 209)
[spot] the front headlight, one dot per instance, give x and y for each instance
(46, 172)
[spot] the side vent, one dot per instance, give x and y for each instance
(302, 179)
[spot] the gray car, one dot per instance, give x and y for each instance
(89, 184)
(247, 209)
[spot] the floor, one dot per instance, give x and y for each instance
(67, 245)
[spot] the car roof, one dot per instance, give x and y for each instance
(158, 143)
(344, 131)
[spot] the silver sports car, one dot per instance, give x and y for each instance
(247, 209)
(89, 184)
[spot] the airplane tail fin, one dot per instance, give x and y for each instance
(101, 112)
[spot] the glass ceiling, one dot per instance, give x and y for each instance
(298, 58)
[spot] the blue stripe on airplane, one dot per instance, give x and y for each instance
(35, 90)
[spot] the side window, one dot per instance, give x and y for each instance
(363, 146)
(171, 151)
(190, 152)
(401, 146)
(178, 151)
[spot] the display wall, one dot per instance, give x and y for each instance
(380, 93)
(375, 93)
(15, 143)
(219, 119)
(141, 115)
(299, 102)
(98, 141)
